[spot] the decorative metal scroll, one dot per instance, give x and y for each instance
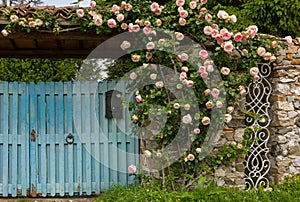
(257, 163)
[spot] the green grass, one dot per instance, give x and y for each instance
(287, 192)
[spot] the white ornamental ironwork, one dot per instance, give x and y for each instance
(257, 163)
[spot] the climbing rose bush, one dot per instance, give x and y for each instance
(233, 53)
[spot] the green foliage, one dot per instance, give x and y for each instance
(288, 191)
(275, 17)
(36, 70)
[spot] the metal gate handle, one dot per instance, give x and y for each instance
(70, 139)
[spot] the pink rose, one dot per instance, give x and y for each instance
(111, 23)
(228, 46)
(205, 121)
(190, 83)
(208, 17)
(198, 150)
(128, 7)
(218, 37)
(138, 98)
(135, 28)
(115, 8)
(159, 84)
(203, 54)
(150, 45)
(182, 21)
(125, 45)
(261, 51)
(97, 20)
(204, 75)
(187, 107)
(182, 75)
(209, 105)
(210, 68)
(207, 92)
(225, 70)
(180, 2)
(254, 71)
(190, 157)
(31, 24)
(197, 131)
(133, 75)
(183, 14)
(135, 58)
(230, 109)
(232, 18)
(176, 105)
(184, 69)
(215, 93)
(274, 44)
(202, 69)
(158, 22)
(208, 30)
(147, 153)
(288, 39)
(158, 155)
(193, 4)
(124, 26)
(80, 13)
(256, 78)
(222, 14)
(131, 169)
(203, 2)
(239, 146)
(238, 37)
(14, 18)
(219, 104)
(252, 30)
(215, 26)
(228, 118)
(184, 57)
(120, 17)
(4, 32)
(242, 90)
(272, 58)
(92, 4)
(147, 30)
(267, 56)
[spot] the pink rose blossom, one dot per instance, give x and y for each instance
(111, 23)
(209, 105)
(31, 24)
(218, 37)
(239, 146)
(180, 2)
(252, 30)
(190, 157)
(182, 75)
(198, 150)
(254, 71)
(272, 58)
(138, 98)
(135, 58)
(176, 105)
(230, 109)
(115, 8)
(147, 30)
(184, 69)
(128, 7)
(208, 30)
(92, 4)
(208, 17)
(38, 22)
(242, 90)
(203, 54)
(204, 75)
(203, 2)
(187, 107)
(222, 14)
(225, 70)
(225, 35)
(120, 17)
(207, 92)
(14, 18)
(238, 37)
(182, 21)
(219, 104)
(80, 13)
(215, 26)
(193, 4)
(215, 93)
(228, 46)
(205, 121)
(228, 118)
(124, 26)
(150, 45)
(190, 83)
(288, 39)
(202, 69)
(274, 44)
(183, 14)
(261, 51)
(256, 78)
(147, 153)
(210, 68)
(97, 20)
(159, 84)
(184, 57)
(197, 131)
(4, 32)
(158, 22)
(233, 18)
(131, 169)
(267, 56)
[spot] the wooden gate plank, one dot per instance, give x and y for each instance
(96, 138)
(68, 90)
(5, 139)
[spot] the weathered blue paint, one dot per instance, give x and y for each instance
(35, 158)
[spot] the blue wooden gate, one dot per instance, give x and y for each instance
(56, 141)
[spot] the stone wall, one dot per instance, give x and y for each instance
(284, 141)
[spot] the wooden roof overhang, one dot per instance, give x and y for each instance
(70, 42)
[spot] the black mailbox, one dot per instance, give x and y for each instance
(113, 104)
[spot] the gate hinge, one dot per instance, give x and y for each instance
(33, 135)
